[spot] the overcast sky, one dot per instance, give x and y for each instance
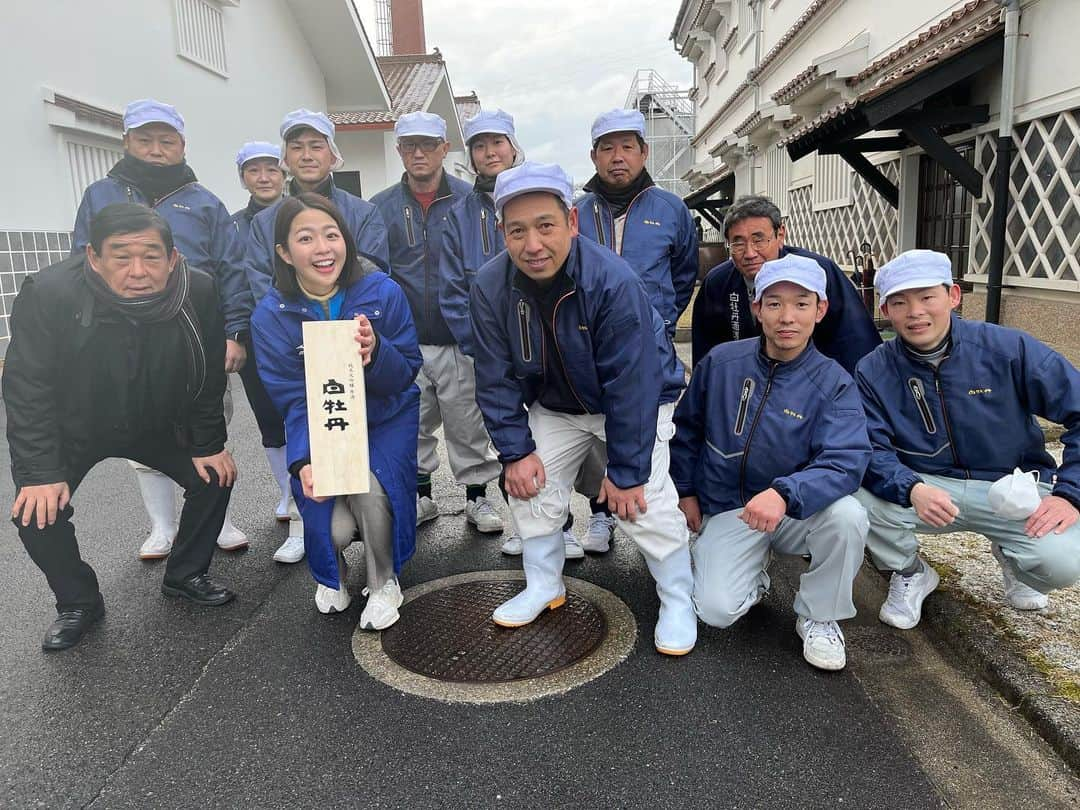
(552, 65)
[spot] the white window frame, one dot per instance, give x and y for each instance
(833, 182)
(210, 10)
(71, 140)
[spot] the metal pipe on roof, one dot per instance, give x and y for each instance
(1004, 160)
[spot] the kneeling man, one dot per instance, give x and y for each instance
(569, 351)
(951, 407)
(770, 445)
(117, 352)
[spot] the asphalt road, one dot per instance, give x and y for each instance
(261, 704)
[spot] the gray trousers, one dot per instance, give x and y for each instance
(447, 384)
(1042, 563)
(730, 560)
(372, 515)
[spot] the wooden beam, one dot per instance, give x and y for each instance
(941, 116)
(889, 143)
(872, 175)
(951, 160)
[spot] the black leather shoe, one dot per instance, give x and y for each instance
(200, 589)
(70, 625)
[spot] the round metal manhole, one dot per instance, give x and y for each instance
(445, 645)
(449, 635)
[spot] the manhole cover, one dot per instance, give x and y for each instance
(448, 634)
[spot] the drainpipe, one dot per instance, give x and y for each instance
(1004, 161)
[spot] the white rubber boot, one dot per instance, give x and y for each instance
(276, 457)
(231, 538)
(159, 498)
(542, 558)
(676, 625)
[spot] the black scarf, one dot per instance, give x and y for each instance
(174, 302)
(618, 199)
(253, 207)
(153, 182)
(325, 188)
(484, 184)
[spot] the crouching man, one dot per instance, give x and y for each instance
(770, 445)
(117, 352)
(568, 351)
(951, 405)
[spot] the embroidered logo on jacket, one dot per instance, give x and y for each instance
(181, 206)
(652, 222)
(976, 391)
(792, 414)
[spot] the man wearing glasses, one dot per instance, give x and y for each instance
(755, 235)
(415, 211)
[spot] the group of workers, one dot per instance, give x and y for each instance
(538, 331)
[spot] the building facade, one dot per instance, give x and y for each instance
(874, 127)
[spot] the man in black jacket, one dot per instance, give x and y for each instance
(120, 352)
(755, 235)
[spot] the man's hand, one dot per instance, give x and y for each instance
(1055, 514)
(626, 504)
(307, 483)
(366, 337)
(222, 463)
(764, 511)
(46, 500)
(235, 355)
(933, 506)
(692, 510)
(525, 477)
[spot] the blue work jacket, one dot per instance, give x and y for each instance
(416, 242)
(470, 241)
(722, 313)
(363, 220)
(393, 405)
(659, 241)
(202, 231)
(748, 423)
(612, 344)
(974, 415)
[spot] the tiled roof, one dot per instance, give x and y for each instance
(746, 126)
(729, 102)
(409, 80)
(967, 11)
(793, 88)
(467, 106)
(829, 114)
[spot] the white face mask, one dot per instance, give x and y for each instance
(1015, 496)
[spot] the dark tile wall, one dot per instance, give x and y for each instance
(23, 252)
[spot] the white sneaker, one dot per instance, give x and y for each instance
(823, 643)
(600, 533)
(512, 545)
(903, 606)
(574, 551)
(481, 514)
(426, 509)
(381, 609)
(1017, 594)
(231, 538)
(158, 545)
(327, 600)
(291, 551)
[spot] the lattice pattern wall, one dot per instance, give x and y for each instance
(1042, 231)
(838, 232)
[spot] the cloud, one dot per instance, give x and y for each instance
(553, 66)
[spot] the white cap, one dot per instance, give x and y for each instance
(309, 120)
(493, 123)
(422, 125)
(799, 270)
(618, 120)
(912, 270)
(530, 177)
(149, 111)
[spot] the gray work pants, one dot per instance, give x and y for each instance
(372, 515)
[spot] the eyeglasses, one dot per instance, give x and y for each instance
(757, 241)
(425, 145)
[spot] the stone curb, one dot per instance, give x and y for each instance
(958, 625)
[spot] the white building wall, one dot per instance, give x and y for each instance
(112, 51)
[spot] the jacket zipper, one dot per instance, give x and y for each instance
(916, 387)
(484, 232)
(131, 194)
(566, 374)
(599, 222)
(948, 427)
(409, 226)
(744, 405)
(523, 329)
(750, 437)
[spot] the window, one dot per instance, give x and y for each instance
(200, 35)
(832, 182)
(89, 161)
(778, 177)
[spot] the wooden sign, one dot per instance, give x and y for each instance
(337, 408)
